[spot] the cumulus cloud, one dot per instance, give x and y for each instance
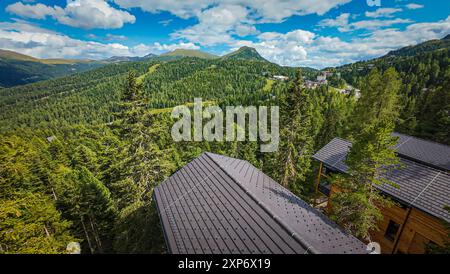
(87, 14)
(27, 38)
(37, 11)
(217, 25)
(343, 25)
(266, 10)
(376, 24)
(340, 21)
(383, 12)
(161, 48)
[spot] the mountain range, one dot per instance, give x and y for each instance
(18, 69)
(244, 76)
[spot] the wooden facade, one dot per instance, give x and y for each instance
(403, 230)
(416, 229)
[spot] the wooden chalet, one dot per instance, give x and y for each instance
(421, 193)
(221, 205)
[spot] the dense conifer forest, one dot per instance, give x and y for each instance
(80, 155)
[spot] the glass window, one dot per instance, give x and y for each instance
(391, 230)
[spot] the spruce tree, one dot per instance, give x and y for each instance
(293, 160)
(143, 163)
(87, 203)
(357, 203)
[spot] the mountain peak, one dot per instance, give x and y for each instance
(247, 48)
(245, 52)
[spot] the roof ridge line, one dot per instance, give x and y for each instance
(275, 217)
(422, 139)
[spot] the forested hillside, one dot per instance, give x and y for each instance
(425, 92)
(69, 147)
(18, 69)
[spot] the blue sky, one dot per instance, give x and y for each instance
(316, 33)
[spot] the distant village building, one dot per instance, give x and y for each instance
(310, 84)
(314, 84)
(421, 192)
(321, 78)
(348, 90)
(280, 77)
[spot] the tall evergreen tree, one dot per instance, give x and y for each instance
(143, 163)
(88, 204)
(372, 156)
(143, 166)
(296, 145)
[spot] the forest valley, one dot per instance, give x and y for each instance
(80, 155)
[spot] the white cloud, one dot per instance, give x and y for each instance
(141, 50)
(221, 24)
(161, 48)
(376, 24)
(87, 14)
(266, 10)
(342, 23)
(113, 37)
(217, 25)
(383, 12)
(414, 6)
(245, 30)
(183, 9)
(38, 11)
(30, 39)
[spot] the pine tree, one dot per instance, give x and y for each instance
(330, 127)
(86, 202)
(296, 145)
(143, 163)
(142, 167)
(371, 157)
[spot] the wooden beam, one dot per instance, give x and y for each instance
(318, 182)
(402, 227)
(319, 177)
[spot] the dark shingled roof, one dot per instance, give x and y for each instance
(217, 204)
(420, 184)
(429, 153)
